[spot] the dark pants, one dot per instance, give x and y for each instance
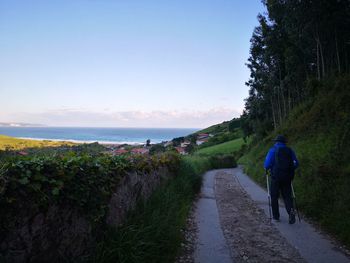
(286, 190)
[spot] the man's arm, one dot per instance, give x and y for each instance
(295, 160)
(270, 158)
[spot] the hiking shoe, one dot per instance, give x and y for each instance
(276, 219)
(291, 217)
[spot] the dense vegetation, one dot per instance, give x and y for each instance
(82, 180)
(296, 48)
(300, 87)
(319, 132)
(10, 143)
(153, 231)
(84, 177)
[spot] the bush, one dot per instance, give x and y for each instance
(223, 161)
(84, 181)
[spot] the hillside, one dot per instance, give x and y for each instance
(222, 148)
(11, 143)
(223, 127)
(319, 132)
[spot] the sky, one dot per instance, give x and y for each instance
(124, 63)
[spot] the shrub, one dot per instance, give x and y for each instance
(223, 161)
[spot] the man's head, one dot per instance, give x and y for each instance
(281, 138)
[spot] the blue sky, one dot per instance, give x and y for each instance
(131, 63)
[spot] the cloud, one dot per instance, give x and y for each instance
(138, 118)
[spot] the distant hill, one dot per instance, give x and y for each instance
(223, 127)
(11, 143)
(20, 124)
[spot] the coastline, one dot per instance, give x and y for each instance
(82, 141)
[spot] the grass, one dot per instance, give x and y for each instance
(319, 133)
(217, 128)
(152, 232)
(11, 143)
(321, 183)
(222, 148)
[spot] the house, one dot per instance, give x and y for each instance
(181, 150)
(140, 151)
(185, 144)
(200, 141)
(202, 136)
(120, 151)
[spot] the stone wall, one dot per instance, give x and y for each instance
(61, 233)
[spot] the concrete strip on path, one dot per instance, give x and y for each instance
(313, 246)
(211, 245)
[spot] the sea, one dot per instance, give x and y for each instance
(101, 135)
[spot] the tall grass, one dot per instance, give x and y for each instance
(152, 232)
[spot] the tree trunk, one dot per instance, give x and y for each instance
(337, 52)
(318, 62)
(273, 114)
(322, 58)
(279, 105)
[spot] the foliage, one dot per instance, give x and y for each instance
(157, 148)
(319, 132)
(234, 124)
(53, 151)
(83, 181)
(153, 231)
(10, 143)
(296, 45)
(177, 141)
(223, 161)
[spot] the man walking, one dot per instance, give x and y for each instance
(281, 161)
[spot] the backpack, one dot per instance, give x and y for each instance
(283, 169)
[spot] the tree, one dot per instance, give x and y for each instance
(296, 41)
(234, 124)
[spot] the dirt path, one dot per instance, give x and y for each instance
(229, 223)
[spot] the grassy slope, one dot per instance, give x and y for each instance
(217, 128)
(319, 132)
(222, 148)
(7, 142)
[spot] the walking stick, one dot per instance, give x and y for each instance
(268, 193)
(295, 201)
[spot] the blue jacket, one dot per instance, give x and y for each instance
(270, 157)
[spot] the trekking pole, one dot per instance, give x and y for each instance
(295, 201)
(268, 193)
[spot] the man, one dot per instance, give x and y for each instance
(281, 161)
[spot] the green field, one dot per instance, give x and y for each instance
(10, 143)
(222, 148)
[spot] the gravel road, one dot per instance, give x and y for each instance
(248, 232)
(229, 223)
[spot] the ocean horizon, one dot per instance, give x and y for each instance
(97, 134)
